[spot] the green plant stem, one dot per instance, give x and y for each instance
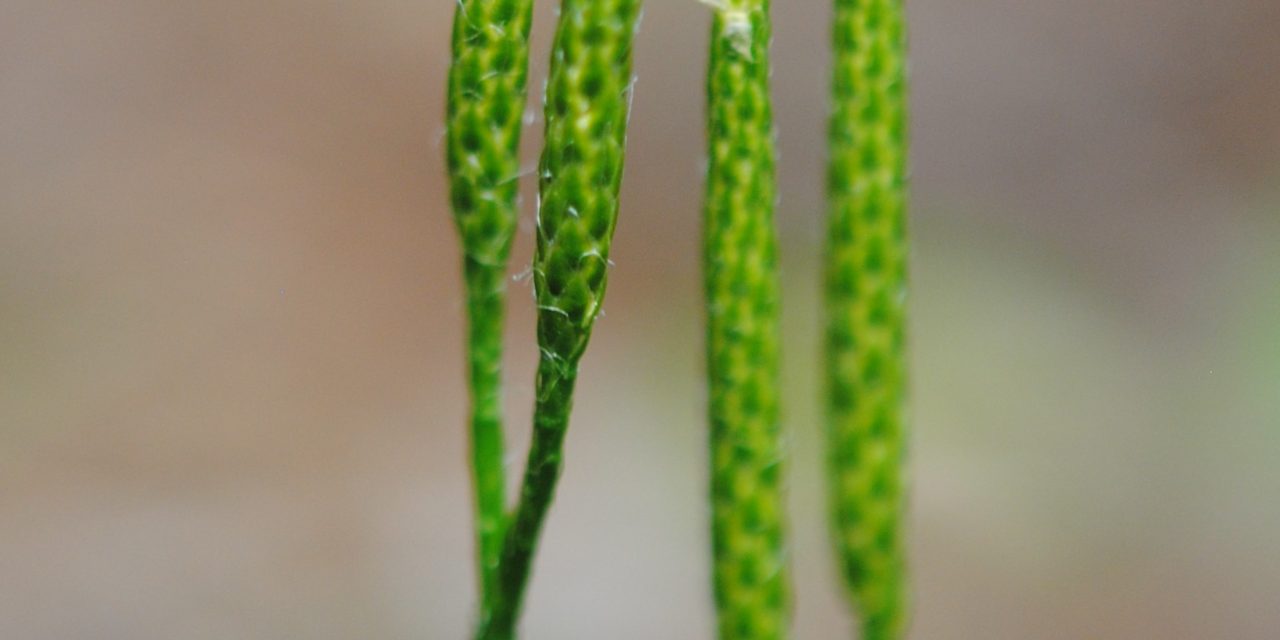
(741, 282)
(866, 280)
(551, 421)
(588, 103)
(486, 96)
(485, 314)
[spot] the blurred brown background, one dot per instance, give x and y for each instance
(231, 399)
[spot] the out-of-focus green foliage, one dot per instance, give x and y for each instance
(866, 277)
(740, 254)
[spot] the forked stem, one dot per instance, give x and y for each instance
(588, 102)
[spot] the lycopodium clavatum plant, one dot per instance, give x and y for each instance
(740, 254)
(588, 100)
(866, 280)
(486, 97)
(587, 106)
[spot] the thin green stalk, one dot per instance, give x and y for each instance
(486, 98)
(741, 281)
(588, 103)
(866, 281)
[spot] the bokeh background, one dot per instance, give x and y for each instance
(231, 400)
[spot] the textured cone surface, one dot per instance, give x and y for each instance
(485, 109)
(740, 258)
(588, 100)
(866, 273)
